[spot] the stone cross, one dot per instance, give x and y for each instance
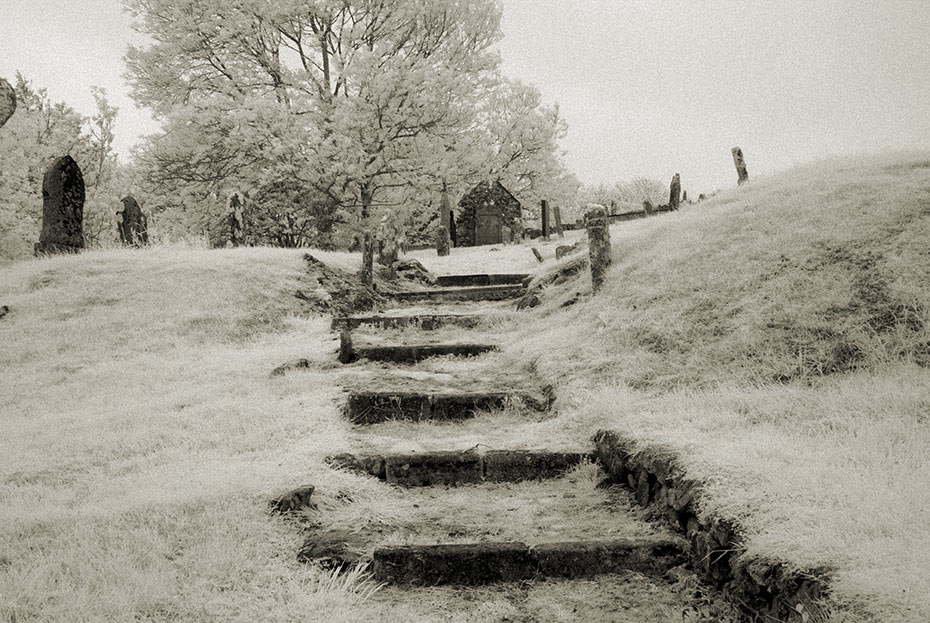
(133, 228)
(7, 101)
(595, 222)
(674, 194)
(741, 172)
(62, 208)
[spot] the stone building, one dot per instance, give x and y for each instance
(483, 213)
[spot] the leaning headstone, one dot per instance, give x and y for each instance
(443, 241)
(557, 217)
(7, 101)
(368, 258)
(741, 172)
(236, 220)
(539, 257)
(595, 221)
(62, 208)
(133, 226)
(674, 193)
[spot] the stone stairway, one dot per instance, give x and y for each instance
(482, 516)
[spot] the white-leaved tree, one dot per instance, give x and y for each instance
(367, 106)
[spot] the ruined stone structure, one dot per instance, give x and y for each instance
(133, 226)
(483, 213)
(62, 208)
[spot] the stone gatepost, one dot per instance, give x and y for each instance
(62, 209)
(674, 193)
(741, 172)
(596, 224)
(7, 101)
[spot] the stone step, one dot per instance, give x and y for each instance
(453, 468)
(477, 293)
(489, 279)
(371, 407)
(416, 352)
(486, 563)
(426, 322)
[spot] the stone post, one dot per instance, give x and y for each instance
(544, 213)
(741, 172)
(595, 222)
(62, 208)
(557, 215)
(7, 101)
(368, 259)
(445, 209)
(684, 196)
(236, 220)
(443, 242)
(674, 193)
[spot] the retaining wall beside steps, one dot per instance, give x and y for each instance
(767, 590)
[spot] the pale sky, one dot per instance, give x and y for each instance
(648, 87)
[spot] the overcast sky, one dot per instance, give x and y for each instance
(648, 87)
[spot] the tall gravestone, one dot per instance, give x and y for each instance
(62, 208)
(674, 193)
(544, 213)
(557, 217)
(236, 220)
(741, 172)
(133, 226)
(7, 101)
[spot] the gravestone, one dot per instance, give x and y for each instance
(368, 259)
(684, 196)
(7, 101)
(595, 222)
(445, 210)
(674, 193)
(741, 172)
(648, 208)
(557, 217)
(236, 220)
(506, 235)
(443, 241)
(62, 208)
(133, 226)
(544, 214)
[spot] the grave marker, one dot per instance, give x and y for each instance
(595, 222)
(62, 209)
(674, 194)
(740, 163)
(133, 226)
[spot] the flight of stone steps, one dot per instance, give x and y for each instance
(557, 534)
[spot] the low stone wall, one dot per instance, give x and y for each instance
(765, 590)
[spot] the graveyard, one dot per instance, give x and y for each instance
(753, 365)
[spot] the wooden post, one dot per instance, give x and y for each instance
(368, 258)
(595, 222)
(557, 215)
(740, 165)
(674, 194)
(544, 212)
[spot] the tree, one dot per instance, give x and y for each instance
(39, 133)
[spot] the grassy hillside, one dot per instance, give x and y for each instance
(775, 334)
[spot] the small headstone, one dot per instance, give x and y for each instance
(7, 101)
(294, 500)
(62, 208)
(295, 364)
(506, 235)
(4, 310)
(674, 194)
(684, 195)
(236, 220)
(368, 258)
(443, 241)
(741, 172)
(557, 216)
(133, 226)
(648, 208)
(346, 352)
(702, 197)
(595, 221)
(539, 257)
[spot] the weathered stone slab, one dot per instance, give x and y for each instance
(415, 353)
(295, 364)
(482, 293)
(427, 322)
(467, 564)
(480, 279)
(62, 208)
(517, 465)
(649, 556)
(434, 468)
(373, 465)
(380, 406)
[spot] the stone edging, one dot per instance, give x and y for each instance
(765, 590)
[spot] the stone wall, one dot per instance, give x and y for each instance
(766, 590)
